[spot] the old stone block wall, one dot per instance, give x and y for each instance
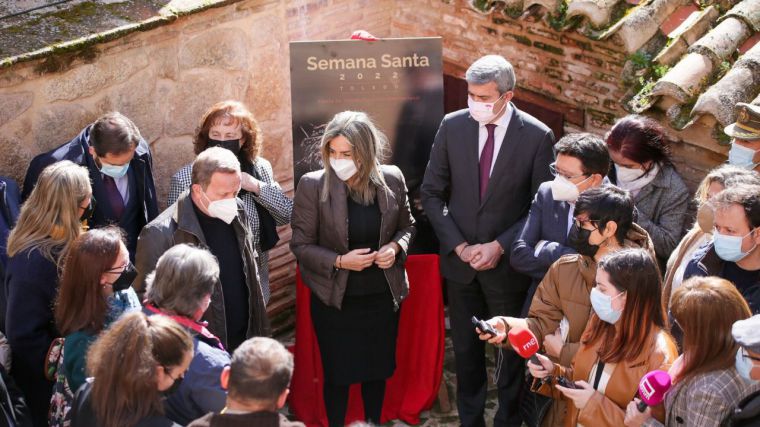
(165, 78)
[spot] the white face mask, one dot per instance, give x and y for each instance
(626, 175)
(565, 191)
(344, 168)
(483, 112)
(225, 209)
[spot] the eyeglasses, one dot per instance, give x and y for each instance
(119, 269)
(747, 356)
(555, 172)
(582, 223)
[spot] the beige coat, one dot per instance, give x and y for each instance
(608, 409)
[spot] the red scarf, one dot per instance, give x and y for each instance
(199, 327)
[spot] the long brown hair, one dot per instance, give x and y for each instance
(80, 304)
(369, 146)
(124, 361)
(706, 309)
(237, 112)
(49, 219)
(634, 272)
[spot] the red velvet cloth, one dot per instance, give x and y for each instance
(419, 353)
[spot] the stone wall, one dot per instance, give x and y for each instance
(165, 78)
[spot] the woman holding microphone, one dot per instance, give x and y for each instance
(625, 338)
(706, 383)
(351, 230)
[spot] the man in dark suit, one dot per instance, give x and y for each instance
(485, 166)
(121, 172)
(582, 163)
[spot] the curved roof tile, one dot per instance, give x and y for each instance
(740, 84)
(598, 12)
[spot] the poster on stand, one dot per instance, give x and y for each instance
(397, 82)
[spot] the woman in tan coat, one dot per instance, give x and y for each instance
(561, 306)
(624, 340)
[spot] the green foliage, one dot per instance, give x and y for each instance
(558, 19)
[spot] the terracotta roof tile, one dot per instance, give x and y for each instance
(686, 36)
(704, 41)
(740, 84)
(642, 23)
(598, 12)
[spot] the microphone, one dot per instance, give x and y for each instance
(652, 389)
(525, 344)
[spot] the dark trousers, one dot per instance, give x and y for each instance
(483, 301)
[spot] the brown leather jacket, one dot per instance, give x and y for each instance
(179, 224)
(608, 409)
(565, 291)
(320, 233)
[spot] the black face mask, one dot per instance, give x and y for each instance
(87, 214)
(174, 387)
(125, 279)
(578, 240)
(230, 144)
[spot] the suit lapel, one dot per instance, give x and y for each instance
(507, 152)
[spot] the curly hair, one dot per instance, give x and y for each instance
(236, 112)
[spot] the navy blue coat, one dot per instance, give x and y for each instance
(201, 390)
(706, 262)
(31, 284)
(141, 166)
(547, 220)
(10, 204)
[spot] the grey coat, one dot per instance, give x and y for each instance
(179, 224)
(662, 207)
(320, 233)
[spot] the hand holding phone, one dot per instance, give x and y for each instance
(483, 326)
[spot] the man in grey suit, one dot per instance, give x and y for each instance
(486, 163)
(582, 163)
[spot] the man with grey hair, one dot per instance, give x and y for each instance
(210, 215)
(257, 382)
(181, 288)
(486, 164)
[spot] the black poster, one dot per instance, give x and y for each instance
(397, 82)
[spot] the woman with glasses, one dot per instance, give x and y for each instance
(625, 339)
(561, 307)
(640, 150)
(50, 220)
(133, 364)
(706, 384)
(95, 290)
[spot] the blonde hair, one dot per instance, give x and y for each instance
(49, 219)
(369, 146)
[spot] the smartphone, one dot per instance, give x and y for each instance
(484, 327)
(564, 382)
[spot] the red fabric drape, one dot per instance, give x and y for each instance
(419, 353)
